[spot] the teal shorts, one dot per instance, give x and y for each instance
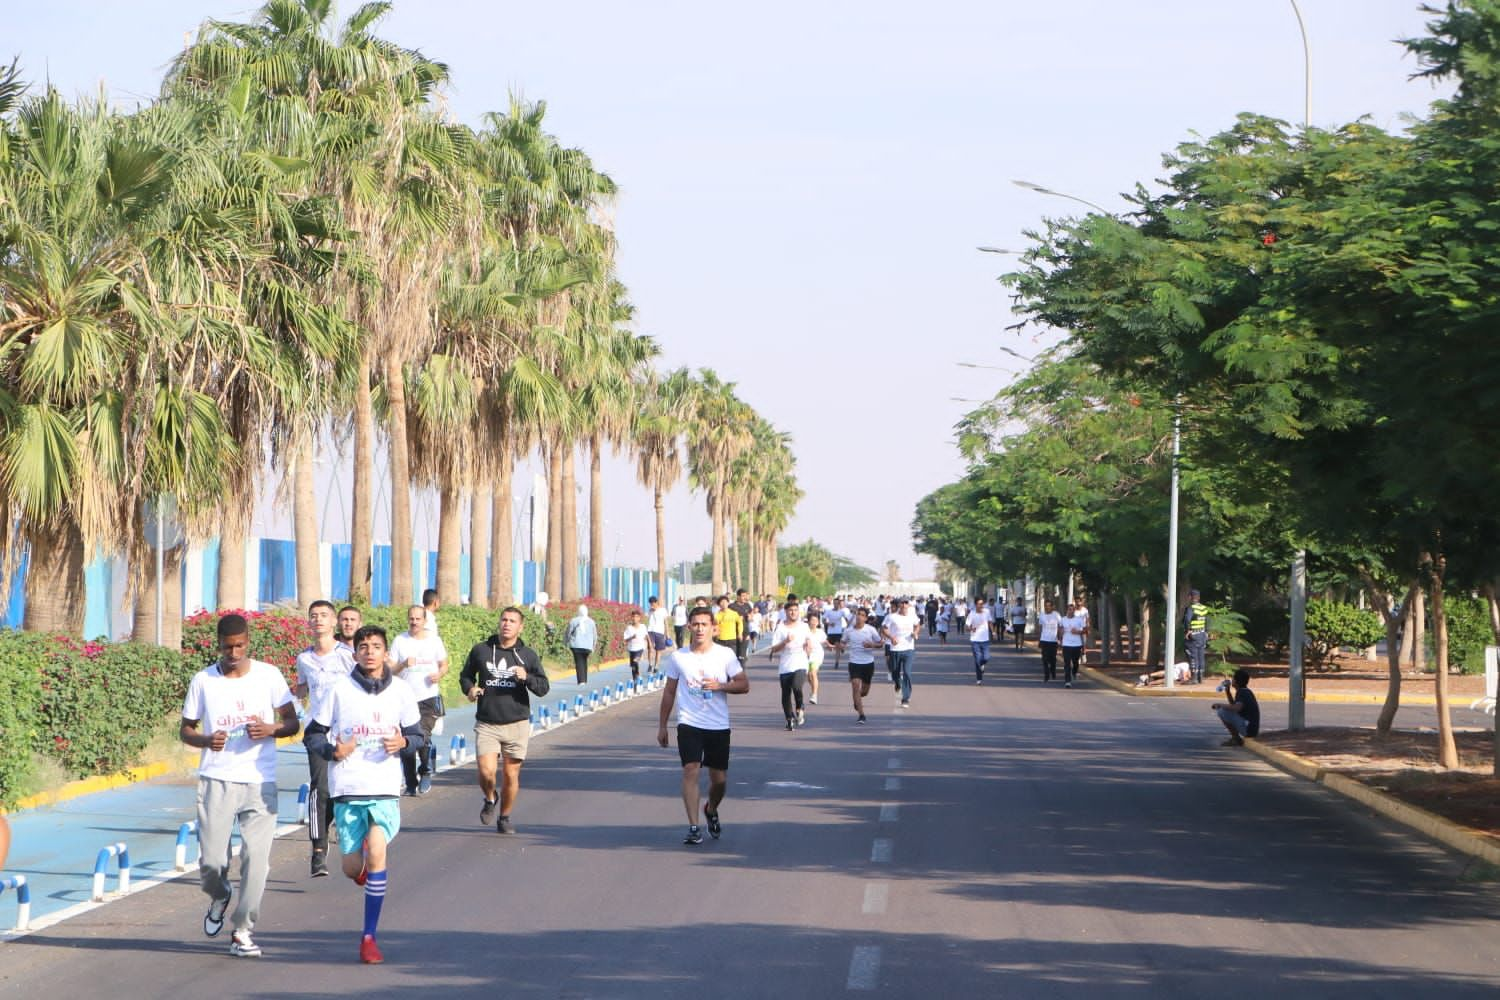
(353, 819)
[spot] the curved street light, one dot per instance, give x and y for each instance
(1043, 189)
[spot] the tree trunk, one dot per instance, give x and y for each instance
(1447, 748)
(402, 589)
(481, 503)
(143, 621)
(1491, 592)
(305, 526)
(1416, 628)
(570, 567)
(773, 563)
(230, 592)
(54, 579)
(1106, 627)
(1382, 601)
(661, 544)
(716, 548)
(450, 541)
(554, 521)
(502, 583)
(362, 519)
(596, 520)
(1149, 650)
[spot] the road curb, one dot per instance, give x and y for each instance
(1111, 681)
(1460, 838)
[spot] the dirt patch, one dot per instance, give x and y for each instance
(1404, 765)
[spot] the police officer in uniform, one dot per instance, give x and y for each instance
(1195, 624)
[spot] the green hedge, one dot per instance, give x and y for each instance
(1468, 632)
(21, 659)
(1332, 624)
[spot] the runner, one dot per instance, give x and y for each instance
(1074, 626)
(742, 607)
(635, 639)
(730, 627)
(861, 641)
(350, 620)
(582, 635)
(679, 622)
(656, 632)
(367, 723)
(228, 714)
(1018, 621)
(815, 653)
(961, 615)
(835, 620)
(932, 614)
(752, 629)
(980, 632)
(901, 630)
(319, 667)
(944, 622)
(1047, 625)
(792, 641)
(420, 659)
(706, 673)
(501, 674)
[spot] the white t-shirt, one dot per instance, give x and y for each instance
(321, 673)
(855, 639)
(979, 625)
(944, 615)
(962, 609)
(819, 637)
(794, 656)
(635, 638)
(1018, 614)
(656, 621)
(695, 706)
(679, 614)
(351, 711)
(420, 658)
(1069, 638)
(1047, 623)
(902, 630)
(217, 702)
(835, 620)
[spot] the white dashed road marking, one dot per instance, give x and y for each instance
(864, 967)
(888, 812)
(876, 896)
(882, 849)
(892, 784)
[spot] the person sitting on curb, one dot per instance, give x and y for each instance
(1242, 715)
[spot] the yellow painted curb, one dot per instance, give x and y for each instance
(1460, 838)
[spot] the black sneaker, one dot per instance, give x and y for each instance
(319, 864)
(861, 720)
(504, 825)
(694, 836)
(789, 725)
(213, 920)
(487, 814)
(424, 785)
(714, 829)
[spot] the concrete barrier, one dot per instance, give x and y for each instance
(179, 855)
(17, 883)
(121, 854)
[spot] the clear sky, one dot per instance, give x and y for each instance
(804, 183)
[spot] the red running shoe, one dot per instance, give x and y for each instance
(369, 951)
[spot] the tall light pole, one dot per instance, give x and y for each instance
(1296, 714)
(1169, 676)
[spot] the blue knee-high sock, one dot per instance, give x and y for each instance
(374, 896)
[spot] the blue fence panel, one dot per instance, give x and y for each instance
(465, 576)
(97, 577)
(278, 570)
(431, 576)
(210, 594)
(380, 576)
(15, 611)
(340, 561)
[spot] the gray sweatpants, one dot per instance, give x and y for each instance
(220, 805)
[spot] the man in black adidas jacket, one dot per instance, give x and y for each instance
(500, 676)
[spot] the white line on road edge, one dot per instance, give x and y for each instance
(892, 784)
(894, 764)
(877, 894)
(888, 812)
(864, 967)
(882, 849)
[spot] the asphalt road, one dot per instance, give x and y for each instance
(1005, 840)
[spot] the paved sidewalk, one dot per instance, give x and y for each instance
(55, 846)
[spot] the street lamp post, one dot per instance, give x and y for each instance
(1296, 715)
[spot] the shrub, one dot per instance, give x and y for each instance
(1226, 631)
(101, 703)
(276, 637)
(1332, 624)
(1468, 632)
(20, 698)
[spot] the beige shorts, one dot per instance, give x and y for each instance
(509, 738)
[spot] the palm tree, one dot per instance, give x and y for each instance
(719, 433)
(659, 429)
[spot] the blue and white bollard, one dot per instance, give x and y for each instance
(458, 748)
(620, 691)
(534, 720)
(101, 869)
(562, 712)
(303, 791)
(546, 718)
(23, 899)
(578, 706)
(186, 830)
(593, 701)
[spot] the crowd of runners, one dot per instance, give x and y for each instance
(373, 702)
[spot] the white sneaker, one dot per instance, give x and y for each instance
(242, 946)
(813, 699)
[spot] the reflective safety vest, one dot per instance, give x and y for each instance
(1199, 620)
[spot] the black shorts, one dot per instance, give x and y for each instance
(862, 672)
(834, 638)
(709, 747)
